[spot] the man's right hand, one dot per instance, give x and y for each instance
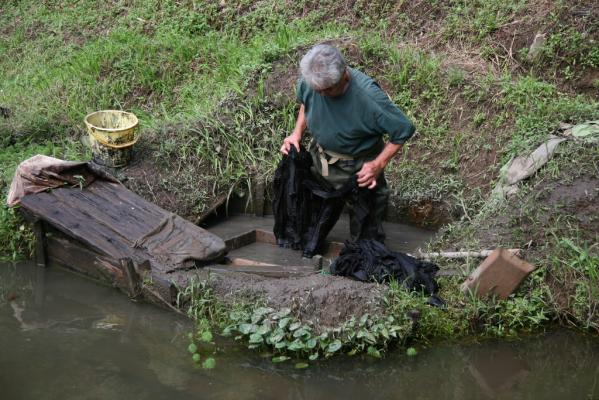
(290, 140)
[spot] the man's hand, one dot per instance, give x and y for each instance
(290, 140)
(369, 173)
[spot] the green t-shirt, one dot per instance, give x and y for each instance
(354, 122)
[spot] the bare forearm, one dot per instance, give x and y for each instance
(295, 138)
(389, 151)
(300, 123)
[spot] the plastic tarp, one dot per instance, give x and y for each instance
(40, 173)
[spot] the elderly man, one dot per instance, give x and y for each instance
(347, 114)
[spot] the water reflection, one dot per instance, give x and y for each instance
(64, 337)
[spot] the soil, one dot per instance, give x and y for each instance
(322, 300)
(556, 203)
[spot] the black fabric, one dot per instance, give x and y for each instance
(306, 210)
(369, 260)
(292, 218)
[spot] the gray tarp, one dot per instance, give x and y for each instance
(40, 173)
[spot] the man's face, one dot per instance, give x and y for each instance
(337, 89)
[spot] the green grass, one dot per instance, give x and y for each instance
(475, 20)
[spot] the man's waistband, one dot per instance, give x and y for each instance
(333, 156)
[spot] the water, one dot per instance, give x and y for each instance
(64, 337)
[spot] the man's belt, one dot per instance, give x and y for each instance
(333, 158)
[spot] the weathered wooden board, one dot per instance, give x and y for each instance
(118, 224)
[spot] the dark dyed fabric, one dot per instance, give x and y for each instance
(306, 209)
(292, 218)
(369, 260)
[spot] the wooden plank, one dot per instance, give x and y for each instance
(123, 220)
(222, 199)
(77, 257)
(259, 192)
(40, 243)
(240, 240)
(119, 194)
(264, 270)
(75, 223)
(133, 279)
(263, 236)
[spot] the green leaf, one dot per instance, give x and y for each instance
(283, 312)
(385, 333)
(263, 329)
(296, 345)
(196, 357)
(284, 322)
(209, 363)
(301, 332)
(280, 359)
(263, 311)
(206, 337)
(238, 315)
(370, 338)
(281, 345)
(334, 346)
(247, 328)
(277, 336)
(295, 326)
(192, 348)
(410, 351)
(311, 343)
(256, 338)
(227, 331)
(364, 319)
(301, 365)
(256, 318)
(313, 357)
(373, 351)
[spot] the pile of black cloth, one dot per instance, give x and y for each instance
(369, 260)
(306, 210)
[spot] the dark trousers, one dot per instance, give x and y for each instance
(339, 173)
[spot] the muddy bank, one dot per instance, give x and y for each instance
(321, 301)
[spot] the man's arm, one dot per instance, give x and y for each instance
(296, 136)
(371, 170)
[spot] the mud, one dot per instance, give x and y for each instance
(320, 300)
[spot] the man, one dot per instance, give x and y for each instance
(347, 114)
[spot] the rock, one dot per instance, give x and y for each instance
(498, 275)
(537, 45)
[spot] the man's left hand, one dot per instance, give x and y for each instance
(369, 173)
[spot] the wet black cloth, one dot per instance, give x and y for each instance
(292, 217)
(306, 210)
(368, 260)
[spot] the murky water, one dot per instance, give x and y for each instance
(64, 337)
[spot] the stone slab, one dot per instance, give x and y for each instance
(498, 275)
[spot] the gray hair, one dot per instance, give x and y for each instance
(322, 66)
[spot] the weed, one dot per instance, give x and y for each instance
(201, 305)
(16, 236)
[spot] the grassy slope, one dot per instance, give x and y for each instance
(199, 75)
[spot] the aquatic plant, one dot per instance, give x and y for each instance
(199, 301)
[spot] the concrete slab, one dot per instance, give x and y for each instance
(400, 237)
